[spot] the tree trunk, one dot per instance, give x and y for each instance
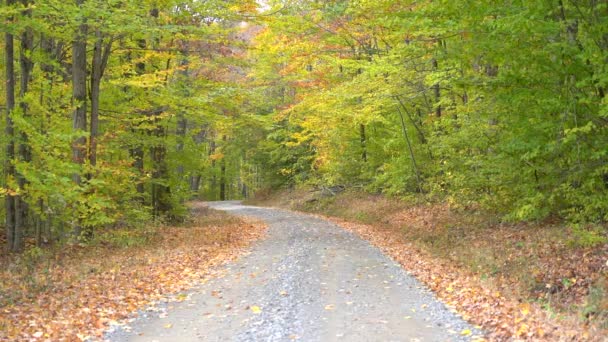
(437, 91)
(26, 66)
(137, 152)
(9, 168)
(363, 142)
(182, 122)
(161, 201)
(161, 192)
(195, 183)
(79, 94)
(223, 181)
(52, 52)
(100, 60)
(212, 147)
(223, 174)
(409, 146)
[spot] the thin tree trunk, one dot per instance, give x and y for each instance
(79, 94)
(182, 122)
(223, 174)
(437, 91)
(409, 146)
(223, 180)
(363, 140)
(418, 129)
(26, 66)
(212, 147)
(137, 152)
(9, 168)
(51, 50)
(161, 191)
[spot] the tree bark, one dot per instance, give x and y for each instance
(195, 183)
(161, 192)
(9, 169)
(363, 139)
(79, 94)
(99, 62)
(409, 146)
(182, 122)
(137, 151)
(213, 180)
(26, 66)
(437, 91)
(223, 174)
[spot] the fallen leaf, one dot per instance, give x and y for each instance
(466, 332)
(523, 329)
(256, 309)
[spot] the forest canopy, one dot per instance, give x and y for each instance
(118, 112)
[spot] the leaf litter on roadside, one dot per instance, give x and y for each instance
(77, 306)
(502, 316)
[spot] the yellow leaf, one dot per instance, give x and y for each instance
(466, 332)
(329, 307)
(540, 332)
(256, 309)
(524, 309)
(217, 156)
(168, 326)
(523, 329)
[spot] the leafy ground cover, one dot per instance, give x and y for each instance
(541, 281)
(77, 292)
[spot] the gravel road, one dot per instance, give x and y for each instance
(307, 280)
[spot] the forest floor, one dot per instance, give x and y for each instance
(536, 281)
(73, 293)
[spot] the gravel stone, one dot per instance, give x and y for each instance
(307, 280)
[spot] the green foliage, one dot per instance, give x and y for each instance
(587, 236)
(170, 108)
(485, 104)
(500, 106)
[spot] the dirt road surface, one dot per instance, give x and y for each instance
(307, 280)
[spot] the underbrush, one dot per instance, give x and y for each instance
(561, 268)
(72, 291)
